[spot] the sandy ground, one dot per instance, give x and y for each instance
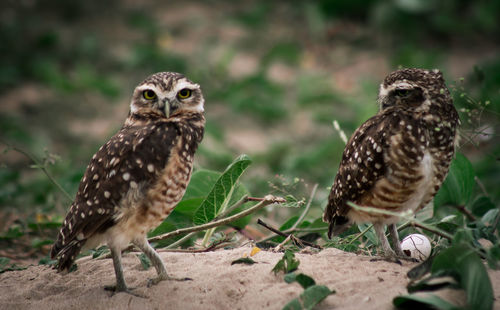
(358, 282)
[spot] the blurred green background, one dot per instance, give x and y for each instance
(275, 74)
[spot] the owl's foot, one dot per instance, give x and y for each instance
(119, 289)
(165, 277)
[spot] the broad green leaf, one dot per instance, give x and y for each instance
(201, 183)
(458, 187)
(304, 280)
(289, 223)
(294, 304)
(221, 191)
(427, 301)
(188, 207)
(313, 295)
(463, 261)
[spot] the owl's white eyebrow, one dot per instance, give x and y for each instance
(147, 86)
(186, 84)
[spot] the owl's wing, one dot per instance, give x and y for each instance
(127, 161)
(361, 165)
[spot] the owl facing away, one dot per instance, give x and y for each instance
(135, 180)
(397, 160)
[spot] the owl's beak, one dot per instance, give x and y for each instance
(166, 108)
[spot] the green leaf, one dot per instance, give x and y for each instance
(47, 261)
(244, 260)
(294, 304)
(145, 262)
(311, 296)
(221, 191)
(482, 205)
(3, 262)
(427, 301)
(459, 185)
(287, 263)
(289, 223)
(463, 261)
(201, 183)
(304, 280)
(99, 251)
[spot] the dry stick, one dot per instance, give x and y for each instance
(269, 199)
(278, 232)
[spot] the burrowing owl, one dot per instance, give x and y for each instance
(136, 179)
(398, 159)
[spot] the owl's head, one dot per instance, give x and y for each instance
(167, 94)
(413, 89)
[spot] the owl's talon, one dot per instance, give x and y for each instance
(114, 290)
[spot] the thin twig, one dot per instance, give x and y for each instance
(304, 213)
(481, 186)
(466, 212)
(278, 232)
(41, 167)
(180, 241)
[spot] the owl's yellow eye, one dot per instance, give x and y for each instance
(401, 92)
(149, 94)
(184, 93)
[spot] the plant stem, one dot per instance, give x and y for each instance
(223, 208)
(466, 212)
(432, 230)
(41, 167)
(308, 206)
(361, 234)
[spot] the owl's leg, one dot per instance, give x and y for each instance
(393, 233)
(384, 243)
(120, 286)
(155, 258)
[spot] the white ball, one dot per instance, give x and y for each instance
(416, 246)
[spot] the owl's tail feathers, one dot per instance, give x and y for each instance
(66, 254)
(338, 224)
